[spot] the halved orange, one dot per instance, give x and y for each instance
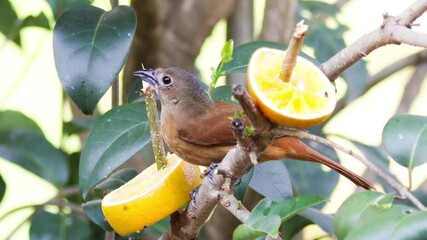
(150, 196)
(306, 100)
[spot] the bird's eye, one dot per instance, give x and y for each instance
(166, 80)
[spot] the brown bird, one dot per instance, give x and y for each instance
(197, 129)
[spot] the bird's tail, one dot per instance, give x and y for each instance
(291, 147)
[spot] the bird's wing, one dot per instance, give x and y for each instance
(214, 128)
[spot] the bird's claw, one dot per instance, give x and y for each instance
(193, 195)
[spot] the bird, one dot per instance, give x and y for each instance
(198, 130)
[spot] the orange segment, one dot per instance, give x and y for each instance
(150, 196)
(306, 100)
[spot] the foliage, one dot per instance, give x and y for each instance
(88, 60)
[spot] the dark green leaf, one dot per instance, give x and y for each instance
(411, 227)
(78, 125)
(222, 93)
(116, 180)
(94, 213)
(13, 120)
(293, 226)
(134, 92)
(271, 179)
(9, 22)
(33, 152)
(157, 229)
(356, 77)
(37, 21)
(405, 138)
(114, 139)
(90, 47)
(241, 188)
(46, 226)
(243, 53)
(2, 188)
(59, 6)
(244, 232)
(350, 211)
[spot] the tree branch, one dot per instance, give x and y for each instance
(383, 35)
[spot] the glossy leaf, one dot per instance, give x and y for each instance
(46, 225)
(405, 138)
(2, 188)
(94, 213)
(116, 180)
(349, 213)
(90, 48)
(33, 152)
(271, 179)
(16, 120)
(293, 226)
(116, 136)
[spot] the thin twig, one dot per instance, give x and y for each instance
(293, 51)
(280, 131)
(383, 35)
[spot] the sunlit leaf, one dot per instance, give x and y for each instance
(227, 51)
(116, 136)
(90, 47)
(411, 227)
(16, 120)
(405, 138)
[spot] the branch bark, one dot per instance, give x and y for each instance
(383, 35)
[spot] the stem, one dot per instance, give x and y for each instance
(293, 51)
(153, 121)
(393, 182)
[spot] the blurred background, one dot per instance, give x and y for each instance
(191, 35)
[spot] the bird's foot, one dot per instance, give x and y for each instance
(193, 195)
(210, 171)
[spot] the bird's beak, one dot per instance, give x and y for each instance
(147, 76)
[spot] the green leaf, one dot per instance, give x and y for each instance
(16, 120)
(116, 136)
(380, 225)
(2, 188)
(9, 22)
(33, 152)
(76, 126)
(227, 51)
(293, 226)
(90, 47)
(222, 93)
(242, 187)
(323, 220)
(244, 232)
(36, 21)
(243, 53)
(263, 217)
(271, 179)
(350, 211)
(59, 6)
(116, 180)
(411, 227)
(46, 226)
(405, 138)
(94, 213)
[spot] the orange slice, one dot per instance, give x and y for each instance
(150, 196)
(306, 100)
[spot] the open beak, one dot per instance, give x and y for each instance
(147, 76)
